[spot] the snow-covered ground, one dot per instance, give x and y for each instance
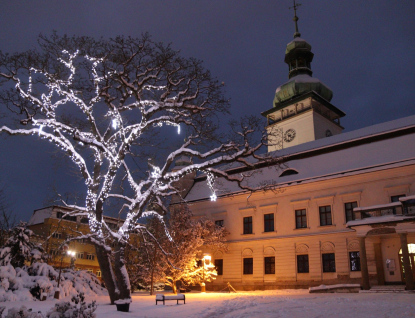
(263, 304)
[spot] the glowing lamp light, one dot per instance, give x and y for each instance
(213, 197)
(206, 259)
(71, 253)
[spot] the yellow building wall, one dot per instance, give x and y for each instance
(365, 188)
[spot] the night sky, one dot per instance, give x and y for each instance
(363, 50)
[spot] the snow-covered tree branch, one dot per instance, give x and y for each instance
(105, 103)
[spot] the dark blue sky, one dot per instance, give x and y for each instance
(364, 51)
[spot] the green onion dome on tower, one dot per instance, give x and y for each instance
(298, 56)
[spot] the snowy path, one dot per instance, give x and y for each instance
(263, 304)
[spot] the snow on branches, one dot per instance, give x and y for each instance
(19, 248)
(105, 103)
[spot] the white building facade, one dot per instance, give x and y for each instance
(342, 208)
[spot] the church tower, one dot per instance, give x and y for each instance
(301, 110)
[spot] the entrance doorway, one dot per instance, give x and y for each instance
(411, 250)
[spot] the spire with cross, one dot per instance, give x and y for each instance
(295, 19)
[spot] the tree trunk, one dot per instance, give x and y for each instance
(107, 273)
(152, 282)
(174, 286)
(152, 270)
(121, 273)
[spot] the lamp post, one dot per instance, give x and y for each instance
(206, 258)
(72, 256)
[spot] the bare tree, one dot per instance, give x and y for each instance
(102, 103)
(146, 262)
(7, 218)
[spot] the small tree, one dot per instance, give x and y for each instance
(184, 251)
(145, 258)
(19, 248)
(103, 103)
(7, 219)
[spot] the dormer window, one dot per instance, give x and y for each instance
(288, 172)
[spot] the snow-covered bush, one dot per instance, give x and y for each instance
(22, 312)
(26, 284)
(19, 248)
(77, 309)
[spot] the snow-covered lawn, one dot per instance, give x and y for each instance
(263, 304)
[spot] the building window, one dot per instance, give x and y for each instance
(329, 263)
(219, 223)
(90, 271)
(98, 273)
(112, 226)
(269, 265)
(248, 266)
(395, 198)
(300, 219)
(57, 235)
(219, 266)
(60, 215)
(80, 255)
(269, 222)
(91, 257)
(325, 215)
(354, 261)
(348, 209)
(302, 263)
(55, 252)
(248, 225)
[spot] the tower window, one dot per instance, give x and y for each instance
(293, 64)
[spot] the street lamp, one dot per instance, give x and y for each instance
(206, 259)
(72, 256)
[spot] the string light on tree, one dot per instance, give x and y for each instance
(119, 99)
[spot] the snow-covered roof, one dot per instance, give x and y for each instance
(379, 219)
(373, 148)
(40, 215)
(377, 207)
(408, 198)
